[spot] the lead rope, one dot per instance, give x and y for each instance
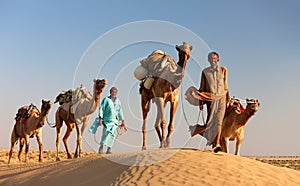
(185, 115)
(52, 125)
(119, 133)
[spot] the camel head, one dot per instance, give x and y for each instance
(46, 106)
(184, 52)
(99, 85)
(252, 106)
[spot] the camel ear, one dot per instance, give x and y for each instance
(177, 48)
(94, 80)
(191, 47)
(43, 101)
(247, 100)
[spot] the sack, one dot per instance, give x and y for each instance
(140, 72)
(94, 126)
(148, 83)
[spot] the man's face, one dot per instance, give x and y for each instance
(213, 60)
(113, 93)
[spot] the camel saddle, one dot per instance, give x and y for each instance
(235, 104)
(64, 97)
(24, 113)
(73, 95)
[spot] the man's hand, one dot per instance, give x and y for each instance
(228, 98)
(123, 125)
(201, 106)
(100, 122)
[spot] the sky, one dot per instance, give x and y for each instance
(50, 46)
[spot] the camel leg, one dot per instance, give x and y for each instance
(163, 125)
(59, 123)
(12, 149)
(83, 127)
(85, 123)
(145, 110)
(173, 109)
(21, 141)
(79, 142)
(26, 147)
(14, 139)
(41, 147)
(160, 121)
(225, 144)
(70, 128)
(238, 144)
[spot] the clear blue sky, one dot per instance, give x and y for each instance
(42, 44)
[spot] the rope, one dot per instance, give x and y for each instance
(52, 125)
(184, 112)
(119, 133)
(96, 139)
(120, 128)
(185, 115)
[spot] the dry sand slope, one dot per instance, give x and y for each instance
(152, 167)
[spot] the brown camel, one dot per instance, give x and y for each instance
(28, 127)
(233, 124)
(84, 108)
(164, 89)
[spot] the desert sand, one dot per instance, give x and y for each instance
(150, 167)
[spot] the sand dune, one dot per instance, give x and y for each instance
(152, 167)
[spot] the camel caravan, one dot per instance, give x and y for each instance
(160, 79)
(76, 107)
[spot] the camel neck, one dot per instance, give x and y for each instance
(96, 97)
(181, 64)
(94, 102)
(244, 117)
(42, 117)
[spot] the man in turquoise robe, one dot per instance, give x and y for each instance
(110, 115)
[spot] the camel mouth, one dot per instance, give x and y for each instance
(253, 112)
(100, 84)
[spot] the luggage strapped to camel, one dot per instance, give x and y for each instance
(153, 66)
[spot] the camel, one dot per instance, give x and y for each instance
(165, 88)
(28, 127)
(82, 113)
(234, 123)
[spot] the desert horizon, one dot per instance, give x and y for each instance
(155, 166)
